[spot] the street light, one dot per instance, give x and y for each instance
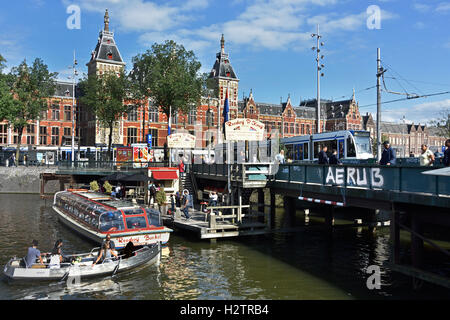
(320, 66)
(74, 74)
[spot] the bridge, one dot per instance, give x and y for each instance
(414, 200)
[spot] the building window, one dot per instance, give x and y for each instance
(67, 131)
(43, 135)
(153, 115)
(30, 139)
(132, 114)
(67, 113)
(55, 136)
(131, 135)
(297, 130)
(30, 128)
(44, 115)
(192, 117)
(154, 133)
(55, 112)
(3, 133)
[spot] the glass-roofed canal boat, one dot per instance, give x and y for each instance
(94, 215)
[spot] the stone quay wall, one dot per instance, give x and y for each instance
(24, 179)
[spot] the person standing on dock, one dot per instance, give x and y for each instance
(185, 204)
(388, 155)
(446, 160)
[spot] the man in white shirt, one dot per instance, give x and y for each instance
(427, 156)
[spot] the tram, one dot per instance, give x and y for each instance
(349, 144)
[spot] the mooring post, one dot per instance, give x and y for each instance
(329, 216)
(261, 204)
(416, 242)
(395, 236)
(272, 209)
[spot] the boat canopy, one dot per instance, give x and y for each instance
(105, 213)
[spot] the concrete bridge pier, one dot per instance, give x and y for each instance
(329, 216)
(290, 210)
(273, 207)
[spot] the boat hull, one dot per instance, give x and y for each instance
(83, 270)
(138, 238)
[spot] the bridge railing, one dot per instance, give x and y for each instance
(239, 171)
(107, 165)
(374, 177)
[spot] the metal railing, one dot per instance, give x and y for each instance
(373, 177)
(108, 165)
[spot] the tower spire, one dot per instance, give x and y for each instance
(222, 44)
(106, 20)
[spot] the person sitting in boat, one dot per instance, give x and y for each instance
(32, 255)
(106, 252)
(56, 257)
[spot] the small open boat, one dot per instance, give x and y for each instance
(83, 267)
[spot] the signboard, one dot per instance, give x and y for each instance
(244, 130)
(181, 141)
(124, 154)
(140, 155)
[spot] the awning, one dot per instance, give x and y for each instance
(164, 175)
(438, 172)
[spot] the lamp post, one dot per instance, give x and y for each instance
(319, 74)
(74, 74)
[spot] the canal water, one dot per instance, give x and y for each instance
(310, 264)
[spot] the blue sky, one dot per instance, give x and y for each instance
(269, 42)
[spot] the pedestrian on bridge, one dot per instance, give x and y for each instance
(427, 157)
(388, 156)
(323, 156)
(334, 158)
(446, 160)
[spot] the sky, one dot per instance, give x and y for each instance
(269, 43)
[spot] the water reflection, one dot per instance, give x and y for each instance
(308, 264)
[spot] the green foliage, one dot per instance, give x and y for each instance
(2, 63)
(23, 94)
(94, 186)
(442, 123)
(105, 96)
(161, 197)
(170, 74)
(108, 187)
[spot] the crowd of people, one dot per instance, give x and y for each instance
(388, 157)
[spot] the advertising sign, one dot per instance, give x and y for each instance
(140, 155)
(181, 141)
(124, 154)
(244, 130)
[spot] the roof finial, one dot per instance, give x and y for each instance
(222, 44)
(106, 20)
(353, 98)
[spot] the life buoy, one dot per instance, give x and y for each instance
(112, 229)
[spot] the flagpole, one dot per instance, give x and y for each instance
(168, 134)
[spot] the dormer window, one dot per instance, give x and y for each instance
(110, 55)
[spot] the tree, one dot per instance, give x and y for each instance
(105, 96)
(24, 95)
(170, 74)
(442, 123)
(2, 63)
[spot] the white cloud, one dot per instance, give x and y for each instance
(421, 7)
(420, 113)
(443, 7)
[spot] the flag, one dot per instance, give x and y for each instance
(170, 121)
(226, 109)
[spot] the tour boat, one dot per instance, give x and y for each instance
(82, 265)
(94, 215)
